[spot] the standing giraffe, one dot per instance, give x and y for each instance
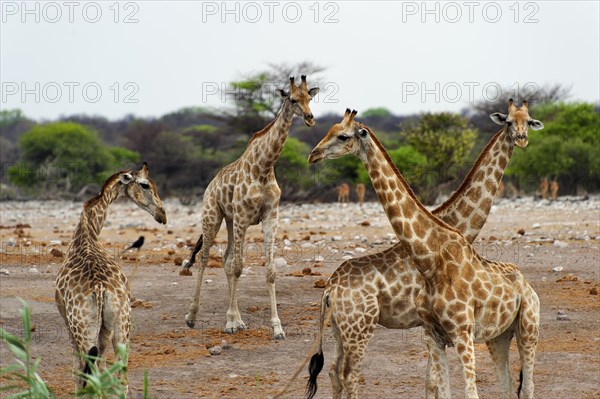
(461, 298)
(360, 193)
(245, 193)
(92, 292)
(343, 191)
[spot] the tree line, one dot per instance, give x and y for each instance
(186, 148)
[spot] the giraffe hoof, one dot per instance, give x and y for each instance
(279, 337)
(190, 323)
(230, 330)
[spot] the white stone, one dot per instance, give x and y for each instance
(319, 258)
(536, 226)
(558, 269)
(33, 270)
(208, 281)
(55, 242)
(148, 284)
(360, 250)
(4, 272)
(336, 238)
(280, 262)
(560, 244)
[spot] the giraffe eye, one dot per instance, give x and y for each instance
(293, 101)
(343, 137)
(145, 186)
(509, 123)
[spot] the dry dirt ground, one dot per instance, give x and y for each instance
(564, 234)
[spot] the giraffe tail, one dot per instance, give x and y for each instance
(190, 262)
(317, 360)
(93, 352)
(92, 355)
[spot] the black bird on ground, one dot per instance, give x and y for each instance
(137, 244)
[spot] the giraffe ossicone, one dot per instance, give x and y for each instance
(246, 193)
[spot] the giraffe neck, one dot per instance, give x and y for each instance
(468, 207)
(266, 145)
(94, 214)
(419, 232)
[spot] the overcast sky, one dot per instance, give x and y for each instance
(149, 58)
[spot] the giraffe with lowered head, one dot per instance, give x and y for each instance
(246, 193)
(92, 292)
(390, 289)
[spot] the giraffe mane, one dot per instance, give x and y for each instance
(468, 179)
(405, 184)
(262, 132)
(107, 184)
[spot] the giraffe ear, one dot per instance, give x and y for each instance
(534, 124)
(126, 178)
(498, 118)
(282, 93)
(313, 92)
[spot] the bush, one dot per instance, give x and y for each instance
(65, 156)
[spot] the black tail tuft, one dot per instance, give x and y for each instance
(314, 368)
(520, 384)
(196, 249)
(92, 353)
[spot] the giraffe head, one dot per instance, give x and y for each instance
(141, 189)
(299, 98)
(517, 122)
(342, 138)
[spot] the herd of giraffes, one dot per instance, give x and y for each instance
(433, 277)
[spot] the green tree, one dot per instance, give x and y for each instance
(378, 112)
(65, 156)
(445, 141)
(292, 167)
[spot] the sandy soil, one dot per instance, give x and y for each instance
(564, 234)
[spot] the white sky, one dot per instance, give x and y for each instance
(376, 53)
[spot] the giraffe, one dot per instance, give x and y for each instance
(544, 188)
(553, 190)
(245, 193)
(390, 277)
(438, 278)
(360, 193)
(92, 292)
(343, 191)
(500, 192)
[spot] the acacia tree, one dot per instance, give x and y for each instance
(255, 98)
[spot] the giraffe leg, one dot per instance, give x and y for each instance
(117, 319)
(338, 355)
(210, 228)
(437, 381)
(234, 319)
(355, 336)
(527, 340)
(270, 225)
(465, 347)
(499, 349)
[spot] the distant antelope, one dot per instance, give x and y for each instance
(544, 188)
(360, 192)
(553, 189)
(343, 191)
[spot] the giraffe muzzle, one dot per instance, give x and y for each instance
(309, 120)
(315, 156)
(160, 216)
